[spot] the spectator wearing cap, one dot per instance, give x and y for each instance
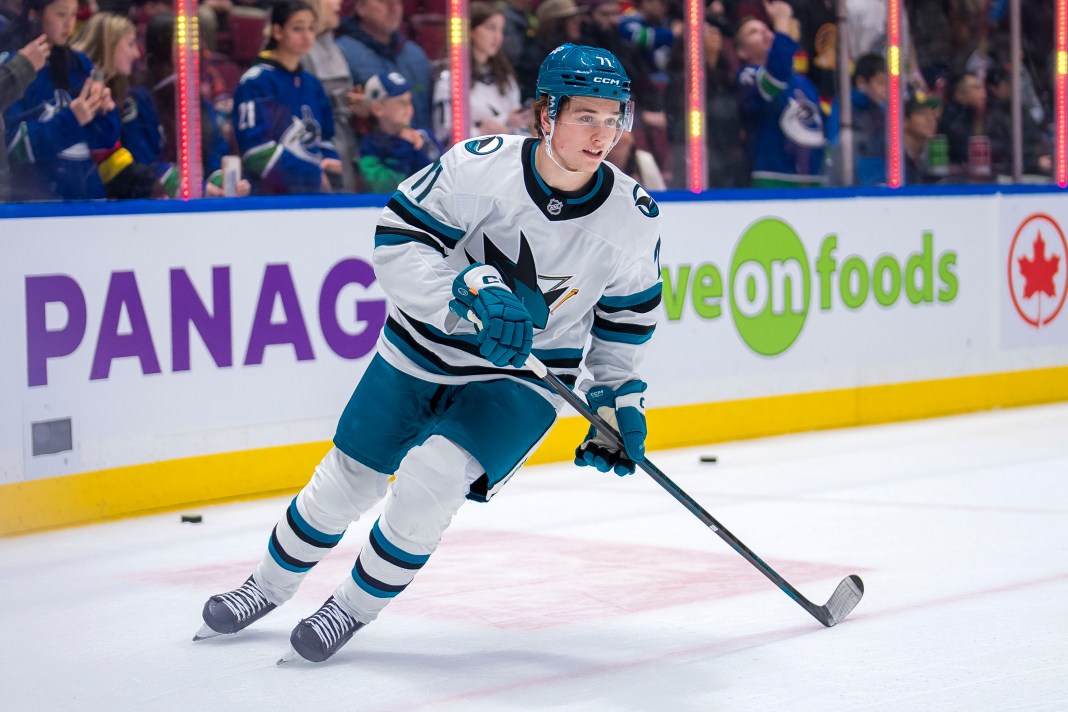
(921, 125)
(559, 22)
(780, 107)
(372, 44)
(393, 150)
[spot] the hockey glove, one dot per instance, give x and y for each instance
(505, 330)
(623, 409)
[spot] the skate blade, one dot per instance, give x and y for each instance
(289, 657)
(205, 632)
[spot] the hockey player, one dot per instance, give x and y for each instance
(504, 247)
(283, 120)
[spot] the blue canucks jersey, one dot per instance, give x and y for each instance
(284, 125)
(51, 153)
(783, 120)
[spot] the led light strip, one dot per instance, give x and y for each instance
(459, 67)
(695, 100)
(1060, 90)
(187, 106)
(894, 177)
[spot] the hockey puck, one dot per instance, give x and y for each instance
(192, 519)
(708, 458)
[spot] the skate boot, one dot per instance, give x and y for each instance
(323, 633)
(234, 610)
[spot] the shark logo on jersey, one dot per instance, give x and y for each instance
(644, 202)
(555, 206)
(302, 137)
(484, 146)
(523, 279)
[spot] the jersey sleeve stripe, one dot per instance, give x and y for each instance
(392, 236)
(422, 220)
(620, 332)
(628, 300)
(639, 308)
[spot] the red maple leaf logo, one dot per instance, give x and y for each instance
(1038, 272)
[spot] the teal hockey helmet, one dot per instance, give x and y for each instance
(578, 70)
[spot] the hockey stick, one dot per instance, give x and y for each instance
(842, 601)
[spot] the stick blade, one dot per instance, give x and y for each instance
(844, 599)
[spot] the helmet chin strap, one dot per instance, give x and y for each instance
(552, 156)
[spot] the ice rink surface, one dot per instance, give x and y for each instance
(575, 590)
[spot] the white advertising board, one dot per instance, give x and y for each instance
(148, 337)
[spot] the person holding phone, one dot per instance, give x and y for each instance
(62, 117)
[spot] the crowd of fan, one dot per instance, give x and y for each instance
(355, 95)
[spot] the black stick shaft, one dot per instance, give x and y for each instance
(673, 489)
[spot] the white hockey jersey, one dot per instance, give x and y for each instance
(585, 265)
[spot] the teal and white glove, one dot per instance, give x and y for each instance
(624, 409)
(505, 329)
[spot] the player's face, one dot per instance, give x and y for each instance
(298, 34)
(585, 132)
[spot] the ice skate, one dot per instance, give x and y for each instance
(322, 634)
(235, 610)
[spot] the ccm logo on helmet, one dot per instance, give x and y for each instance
(605, 80)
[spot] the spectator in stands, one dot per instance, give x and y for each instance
(559, 22)
(493, 103)
(283, 119)
(784, 126)
(62, 116)
(728, 163)
(133, 168)
(869, 121)
(921, 125)
(372, 44)
(601, 29)
(648, 28)
(17, 70)
(963, 115)
(817, 37)
(1037, 156)
(636, 163)
(162, 83)
(9, 11)
(520, 26)
(393, 150)
(326, 62)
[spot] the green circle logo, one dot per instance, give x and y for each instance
(770, 286)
